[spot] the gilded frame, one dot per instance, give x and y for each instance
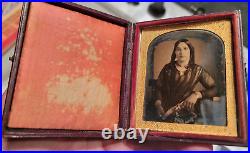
(226, 26)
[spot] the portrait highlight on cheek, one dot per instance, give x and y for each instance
(70, 71)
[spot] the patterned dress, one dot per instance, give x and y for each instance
(173, 88)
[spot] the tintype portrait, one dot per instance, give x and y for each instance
(185, 83)
(185, 79)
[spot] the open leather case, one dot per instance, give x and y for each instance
(76, 71)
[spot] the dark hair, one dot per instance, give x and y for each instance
(191, 48)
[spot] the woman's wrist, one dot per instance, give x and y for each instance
(198, 94)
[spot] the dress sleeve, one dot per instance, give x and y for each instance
(209, 83)
(159, 84)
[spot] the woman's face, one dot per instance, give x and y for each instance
(182, 53)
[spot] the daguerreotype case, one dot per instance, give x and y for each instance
(76, 71)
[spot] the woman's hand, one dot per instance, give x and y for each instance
(159, 108)
(191, 100)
